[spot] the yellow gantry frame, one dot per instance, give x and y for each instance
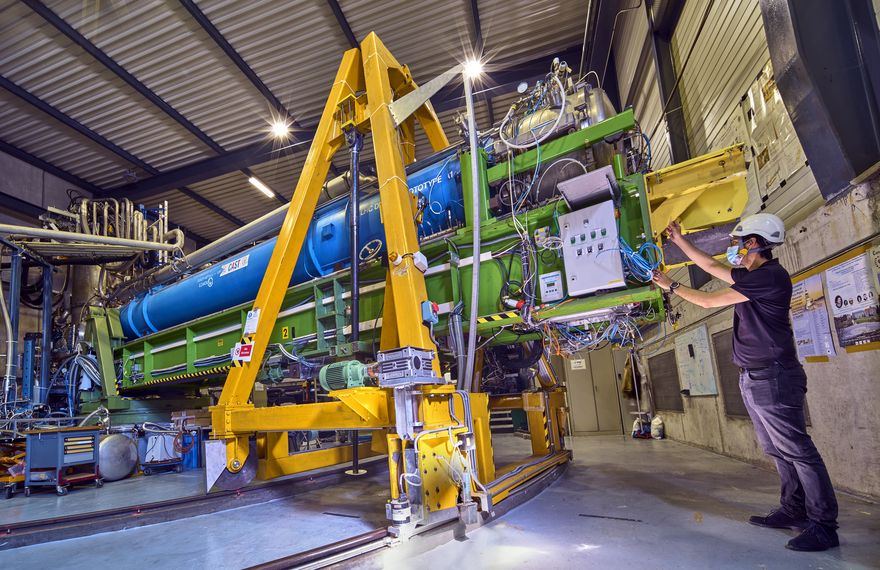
(368, 80)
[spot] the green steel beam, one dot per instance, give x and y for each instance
(467, 188)
(556, 148)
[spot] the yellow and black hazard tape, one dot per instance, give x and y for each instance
(179, 377)
(546, 430)
(498, 317)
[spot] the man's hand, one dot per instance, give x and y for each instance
(662, 280)
(673, 231)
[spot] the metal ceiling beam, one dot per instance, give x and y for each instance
(501, 79)
(98, 139)
(74, 124)
(62, 26)
(239, 62)
(48, 167)
(343, 23)
(210, 205)
(203, 170)
(476, 29)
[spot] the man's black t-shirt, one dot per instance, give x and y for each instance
(761, 327)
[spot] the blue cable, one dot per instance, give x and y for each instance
(643, 262)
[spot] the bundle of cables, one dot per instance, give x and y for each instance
(641, 263)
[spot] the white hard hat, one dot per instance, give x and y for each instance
(767, 226)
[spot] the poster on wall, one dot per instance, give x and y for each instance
(875, 265)
(854, 303)
(778, 152)
(809, 319)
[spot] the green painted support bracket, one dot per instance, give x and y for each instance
(467, 188)
(99, 329)
(334, 315)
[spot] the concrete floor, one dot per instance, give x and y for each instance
(45, 503)
(647, 504)
(656, 504)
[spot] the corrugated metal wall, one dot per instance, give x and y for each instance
(630, 38)
(726, 59)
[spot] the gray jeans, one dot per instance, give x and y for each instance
(774, 397)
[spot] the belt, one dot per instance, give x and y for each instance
(757, 369)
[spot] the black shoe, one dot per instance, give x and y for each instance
(778, 519)
(815, 538)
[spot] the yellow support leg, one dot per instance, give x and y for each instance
(395, 201)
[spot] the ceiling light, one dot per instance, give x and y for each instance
(258, 184)
(473, 68)
(280, 129)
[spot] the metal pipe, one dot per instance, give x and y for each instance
(46, 339)
(13, 303)
(355, 453)
(457, 334)
(476, 217)
(164, 231)
(87, 238)
(84, 215)
(126, 216)
(115, 203)
(355, 142)
(179, 238)
(106, 219)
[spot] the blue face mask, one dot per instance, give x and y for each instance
(736, 253)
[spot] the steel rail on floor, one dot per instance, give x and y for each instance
(24, 533)
(369, 543)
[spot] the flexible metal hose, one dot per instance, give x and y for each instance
(476, 219)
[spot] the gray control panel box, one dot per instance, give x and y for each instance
(590, 249)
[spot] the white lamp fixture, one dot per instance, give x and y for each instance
(280, 129)
(258, 184)
(473, 68)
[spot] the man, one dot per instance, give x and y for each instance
(772, 381)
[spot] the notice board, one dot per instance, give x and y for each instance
(694, 358)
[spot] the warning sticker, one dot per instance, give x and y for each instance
(242, 352)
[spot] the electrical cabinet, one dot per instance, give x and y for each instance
(590, 249)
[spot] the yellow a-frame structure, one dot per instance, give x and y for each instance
(368, 80)
(453, 424)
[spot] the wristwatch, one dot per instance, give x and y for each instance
(673, 286)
